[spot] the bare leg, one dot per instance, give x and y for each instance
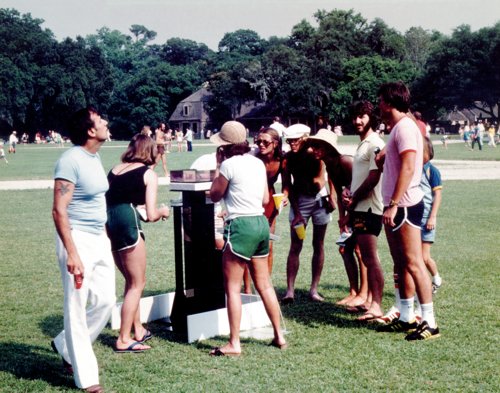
(247, 283)
(416, 277)
(233, 268)
(292, 263)
(260, 276)
(428, 260)
(368, 247)
(351, 269)
(132, 263)
(318, 260)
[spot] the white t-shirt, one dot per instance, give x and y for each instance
(247, 183)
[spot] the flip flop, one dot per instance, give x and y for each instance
(356, 309)
(217, 352)
(147, 336)
(279, 346)
(132, 348)
(368, 317)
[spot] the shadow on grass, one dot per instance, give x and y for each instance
(33, 363)
(310, 313)
(52, 325)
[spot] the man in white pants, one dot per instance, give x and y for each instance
(83, 248)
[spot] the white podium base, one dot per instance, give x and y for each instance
(203, 325)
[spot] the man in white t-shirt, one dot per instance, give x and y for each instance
(403, 210)
(364, 202)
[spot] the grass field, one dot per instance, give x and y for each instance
(329, 351)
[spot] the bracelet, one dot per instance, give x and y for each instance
(393, 203)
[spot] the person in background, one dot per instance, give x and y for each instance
(240, 179)
(179, 137)
(160, 147)
(132, 183)
(2, 153)
(491, 135)
(82, 247)
(403, 210)
(304, 176)
(13, 142)
(269, 151)
(189, 139)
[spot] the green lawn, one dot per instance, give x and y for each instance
(329, 351)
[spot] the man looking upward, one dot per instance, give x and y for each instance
(83, 248)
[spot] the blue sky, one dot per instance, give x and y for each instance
(208, 20)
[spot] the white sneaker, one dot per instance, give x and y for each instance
(342, 238)
(390, 316)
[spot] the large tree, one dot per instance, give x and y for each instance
(462, 71)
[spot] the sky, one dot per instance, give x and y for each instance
(206, 21)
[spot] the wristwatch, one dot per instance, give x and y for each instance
(392, 203)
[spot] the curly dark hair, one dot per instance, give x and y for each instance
(361, 108)
(79, 124)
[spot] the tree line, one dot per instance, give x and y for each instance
(316, 71)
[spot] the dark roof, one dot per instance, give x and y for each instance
(195, 101)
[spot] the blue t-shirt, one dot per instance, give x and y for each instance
(87, 209)
(431, 181)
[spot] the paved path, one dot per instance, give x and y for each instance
(450, 170)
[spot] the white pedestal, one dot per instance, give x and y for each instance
(203, 325)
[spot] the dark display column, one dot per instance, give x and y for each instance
(199, 280)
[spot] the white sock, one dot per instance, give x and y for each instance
(436, 280)
(428, 314)
(406, 311)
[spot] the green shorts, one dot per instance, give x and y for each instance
(247, 236)
(123, 226)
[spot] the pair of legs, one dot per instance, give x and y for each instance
(358, 279)
(86, 310)
(369, 255)
(293, 261)
(233, 269)
(406, 250)
(132, 264)
(163, 158)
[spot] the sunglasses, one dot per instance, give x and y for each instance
(290, 141)
(263, 142)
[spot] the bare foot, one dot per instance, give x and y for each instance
(316, 297)
(357, 301)
(226, 350)
(346, 300)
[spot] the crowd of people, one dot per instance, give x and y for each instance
(388, 185)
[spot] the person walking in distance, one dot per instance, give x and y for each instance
(83, 248)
